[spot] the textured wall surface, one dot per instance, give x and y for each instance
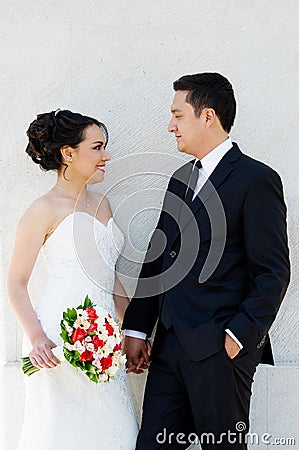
(116, 61)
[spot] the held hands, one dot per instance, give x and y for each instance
(138, 352)
(41, 354)
(231, 347)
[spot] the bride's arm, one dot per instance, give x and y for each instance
(120, 296)
(121, 299)
(30, 234)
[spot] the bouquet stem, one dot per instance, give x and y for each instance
(27, 366)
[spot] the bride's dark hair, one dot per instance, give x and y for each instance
(51, 131)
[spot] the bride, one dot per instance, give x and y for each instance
(64, 409)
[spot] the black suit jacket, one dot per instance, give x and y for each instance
(219, 262)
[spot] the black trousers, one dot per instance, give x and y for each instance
(195, 401)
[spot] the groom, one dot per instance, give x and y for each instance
(214, 276)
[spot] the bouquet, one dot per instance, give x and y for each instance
(92, 343)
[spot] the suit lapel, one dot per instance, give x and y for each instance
(219, 175)
(174, 197)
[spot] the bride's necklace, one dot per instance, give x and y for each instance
(76, 198)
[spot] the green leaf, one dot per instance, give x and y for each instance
(93, 378)
(87, 302)
(73, 314)
(65, 336)
(76, 356)
(68, 354)
(90, 368)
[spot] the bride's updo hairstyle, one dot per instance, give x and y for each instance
(51, 131)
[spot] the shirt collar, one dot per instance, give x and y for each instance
(212, 159)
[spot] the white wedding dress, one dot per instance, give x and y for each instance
(64, 410)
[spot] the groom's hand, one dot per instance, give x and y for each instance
(231, 347)
(137, 352)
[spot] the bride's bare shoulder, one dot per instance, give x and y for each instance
(39, 214)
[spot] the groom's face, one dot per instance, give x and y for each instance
(188, 129)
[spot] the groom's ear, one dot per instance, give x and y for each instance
(209, 117)
(66, 152)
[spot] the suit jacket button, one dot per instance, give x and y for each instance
(172, 254)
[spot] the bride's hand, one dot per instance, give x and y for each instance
(41, 354)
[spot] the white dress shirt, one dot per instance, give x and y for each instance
(209, 163)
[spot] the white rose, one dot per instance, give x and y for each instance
(79, 347)
(90, 347)
(103, 377)
(97, 364)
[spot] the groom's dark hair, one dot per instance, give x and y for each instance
(210, 90)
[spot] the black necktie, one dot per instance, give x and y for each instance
(193, 182)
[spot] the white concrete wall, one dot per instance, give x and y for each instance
(116, 61)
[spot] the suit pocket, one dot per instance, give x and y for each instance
(242, 353)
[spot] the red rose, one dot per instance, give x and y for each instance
(106, 362)
(117, 347)
(92, 314)
(86, 356)
(93, 327)
(78, 335)
(109, 328)
(97, 342)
